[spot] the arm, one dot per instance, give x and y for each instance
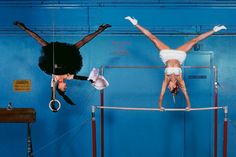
(159, 44)
(184, 90)
(163, 89)
(76, 77)
(65, 97)
(84, 78)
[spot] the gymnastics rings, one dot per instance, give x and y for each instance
(52, 107)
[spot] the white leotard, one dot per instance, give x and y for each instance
(168, 54)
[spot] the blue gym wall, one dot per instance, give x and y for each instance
(127, 133)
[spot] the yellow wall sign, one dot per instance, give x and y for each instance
(22, 85)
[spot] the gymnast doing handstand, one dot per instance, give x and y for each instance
(173, 59)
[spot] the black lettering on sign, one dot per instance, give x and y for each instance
(197, 77)
(22, 85)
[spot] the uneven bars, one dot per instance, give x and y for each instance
(162, 67)
(158, 109)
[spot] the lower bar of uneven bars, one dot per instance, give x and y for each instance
(158, 109)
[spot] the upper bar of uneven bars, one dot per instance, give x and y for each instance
(158, 109)
(156, 67)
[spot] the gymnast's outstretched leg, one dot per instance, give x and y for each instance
(31, 33)
(188, 46)
(158, 43)
(89, 37)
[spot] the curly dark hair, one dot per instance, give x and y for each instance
(66, 59)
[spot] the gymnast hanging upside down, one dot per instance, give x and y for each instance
(62, 61)
(173, 59)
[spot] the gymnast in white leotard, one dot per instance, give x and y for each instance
(173, 59)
